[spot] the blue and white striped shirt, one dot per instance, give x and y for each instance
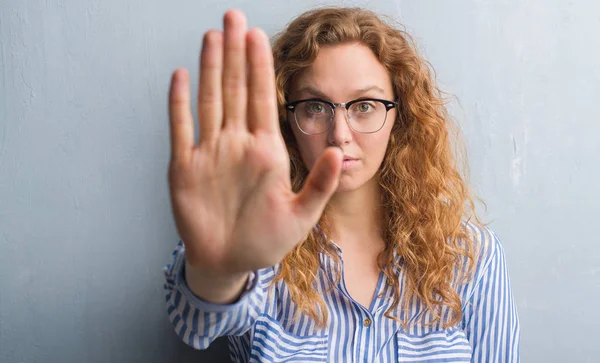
(260, 329)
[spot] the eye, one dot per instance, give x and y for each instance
(364, 107)
(315, 107)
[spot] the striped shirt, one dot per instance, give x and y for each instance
(260, 326)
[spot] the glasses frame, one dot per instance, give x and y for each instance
(291, 106)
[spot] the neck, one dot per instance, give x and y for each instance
(356, 216)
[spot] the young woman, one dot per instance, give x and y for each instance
(321, 214)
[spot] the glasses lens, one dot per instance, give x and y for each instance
(367, 116)
(313, 117)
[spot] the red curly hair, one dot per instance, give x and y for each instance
(424, 197)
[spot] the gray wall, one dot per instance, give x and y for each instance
(85, 223)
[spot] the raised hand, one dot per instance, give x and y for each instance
(231, 193)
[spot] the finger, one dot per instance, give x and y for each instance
(234, 72)
(262, 101)
(210, 101)
(180, 116)
(321, 183)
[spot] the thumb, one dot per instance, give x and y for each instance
(321, 183)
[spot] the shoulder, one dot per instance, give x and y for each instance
(485, 242)
(488, 256)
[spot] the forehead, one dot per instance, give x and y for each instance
(341, 70)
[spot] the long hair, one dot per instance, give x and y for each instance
(425, 199)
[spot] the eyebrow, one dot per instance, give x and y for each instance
(360, 91)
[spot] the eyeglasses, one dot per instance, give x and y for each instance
(315, 116)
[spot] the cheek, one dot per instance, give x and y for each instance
(375, 152)
(310, 148)
(375, 147)
(382, 140)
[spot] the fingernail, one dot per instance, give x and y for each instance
(179, 77)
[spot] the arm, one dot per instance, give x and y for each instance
(231, 193)
(199, 322)
(212, 287)
(490, 316)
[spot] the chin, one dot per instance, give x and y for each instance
(348, 184)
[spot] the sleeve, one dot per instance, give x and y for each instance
(490, 316)
(198, 322)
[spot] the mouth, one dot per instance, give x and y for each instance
(348, 163)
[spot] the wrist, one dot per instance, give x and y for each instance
(215, 287)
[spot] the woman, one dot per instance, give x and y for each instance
(321, 214)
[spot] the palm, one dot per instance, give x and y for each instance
(236, 193)
(232, 198)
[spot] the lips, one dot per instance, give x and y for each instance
(348, 163)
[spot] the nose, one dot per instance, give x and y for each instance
(341, 133)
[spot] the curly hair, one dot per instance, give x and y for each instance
(425, 199)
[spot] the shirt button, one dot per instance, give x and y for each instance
(390, 282)
(367, 322)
